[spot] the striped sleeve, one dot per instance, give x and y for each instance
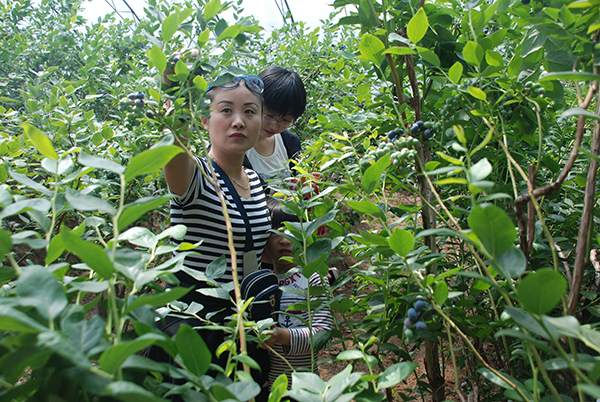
(321, 320)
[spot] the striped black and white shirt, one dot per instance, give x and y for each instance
(200, 210)
(298, 353)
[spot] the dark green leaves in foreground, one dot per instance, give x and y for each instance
(540, 292)
(493, 228)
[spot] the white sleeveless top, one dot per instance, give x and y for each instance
(271, 167)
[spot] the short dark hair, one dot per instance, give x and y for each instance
(277, 214)
(284, 91)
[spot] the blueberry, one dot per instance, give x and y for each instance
(407, 323)
(392, 135)
(427, 134)
(420, 124)
(414, 128)
(149, 114)
(525, 1)
(420, 305)
(132, 96)
(139, 103)
(399, 131)
(139, 95)
(413, 315)
(421, 326)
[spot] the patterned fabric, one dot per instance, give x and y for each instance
(200, 210)
(298, 353)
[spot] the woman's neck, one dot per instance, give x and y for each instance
(265, 146)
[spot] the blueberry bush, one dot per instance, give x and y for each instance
(484, 113)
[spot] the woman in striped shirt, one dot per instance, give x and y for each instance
(234, 126)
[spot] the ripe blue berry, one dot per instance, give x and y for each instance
(413, 315)
(132, 96)
(420, 306)
(139, 95)
(427, 134)
(420, 124)
(139, 103)
(407, 323)
(525, 1)
(392, 135)
(421, 326)
(414, 128)
(149, 114)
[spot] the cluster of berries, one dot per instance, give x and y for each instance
(427, 128)
(506, 110)
(451, 105)
(414, 320)
(133, 107)
(534, 89)
(400, 147)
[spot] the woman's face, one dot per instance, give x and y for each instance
(235, 119)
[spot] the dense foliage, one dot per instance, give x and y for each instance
(483, 116)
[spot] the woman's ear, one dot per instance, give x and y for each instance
(204, 122)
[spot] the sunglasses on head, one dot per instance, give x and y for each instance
(253, 83)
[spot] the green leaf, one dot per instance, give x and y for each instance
(132, 212)
(278, 388)
(455, 72)
(540, 292)
(230, 32)
(493, 228)
(429, 56)
(395, 374)
(440, 292)
(55, 249)
(157, 300)
(21, 178)
(526, 320)
(217, 268)
(169, 27)
(87, 202)
(372, 176)
(83, 334)
(5, 244)
(112, 358)
(477, 93)
(473, 53)
(158, 58)
(417, 26)
(17, 321)
(131, 392)
(100, 163)
(589, 389)
(39, 288)
(366, 207)
(193, 351)
(399, 50)
(579, 112)
(494, 58)
(480, 170)
(211, 9)
(37, 204)
(402, 242)
(371, 49)
(534, 41)
(59, 344)
(352, 354)
(512, 263)
(150, 161)
(92, 254)
(40, 141)
(569, 75)
(317, 249)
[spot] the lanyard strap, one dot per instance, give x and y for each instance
(238, 202)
